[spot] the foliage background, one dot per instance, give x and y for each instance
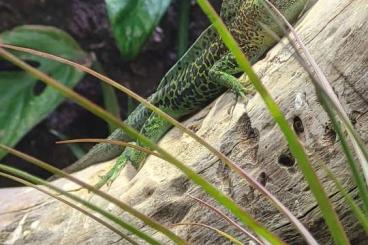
(88, 23)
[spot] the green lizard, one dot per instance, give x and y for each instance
(205, 71)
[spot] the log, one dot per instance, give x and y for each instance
(336, 34)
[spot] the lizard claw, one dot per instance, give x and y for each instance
(239, 92)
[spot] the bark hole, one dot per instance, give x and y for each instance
(298, 125)
(286, 159)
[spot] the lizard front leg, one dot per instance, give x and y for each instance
(154, 128)
(223, 72)
(104, 152)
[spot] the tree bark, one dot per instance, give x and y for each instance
(336, 34)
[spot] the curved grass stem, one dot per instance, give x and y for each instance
(108, 215)
(295, 146)
(250, 179)
(227, 202)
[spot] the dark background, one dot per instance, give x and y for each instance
(87, 22)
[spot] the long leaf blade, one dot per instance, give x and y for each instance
(296, 148)
(209, 188)
(110, 216)
(177, 124)
(67, 202)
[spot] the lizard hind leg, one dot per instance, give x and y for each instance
(154, 128)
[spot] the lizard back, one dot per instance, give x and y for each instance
(187, 87)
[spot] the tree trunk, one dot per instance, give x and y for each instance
(336, 34)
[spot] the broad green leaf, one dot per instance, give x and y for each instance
(21, 105)
(133, 21)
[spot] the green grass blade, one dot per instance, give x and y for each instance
(251, 180)
(220, 197)
(227, 218)
(110, 216)
(359, 214)
(148, 221)
(184, 12)
(109, 97)
(98, 111)
(64, 200)
(111, 103)
(358, 178)
(327, 97)
(220, 232)
(209, 188)
(321, 82)
(295, 146)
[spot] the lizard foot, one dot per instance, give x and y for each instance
(240, 91)
(241, 95)
(113, 173)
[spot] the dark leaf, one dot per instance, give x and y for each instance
(24, 102)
